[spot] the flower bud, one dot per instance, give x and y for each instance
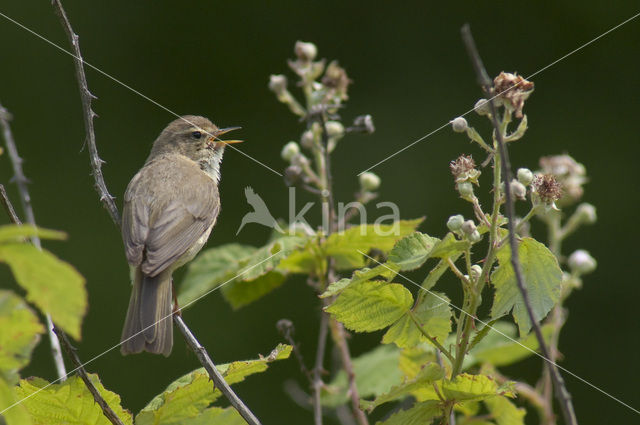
(307, 139)
(586, 213)
(289, 151)
(518, 189)
(278, 83)
(468, 227)
(525, 176)
(292, 175)
(476, 271)
(465, 189)
(455, 222)
(305, 51)
(459, 125)
(334, 128)
(482, 107)
(475, 236)
(581, 262)
(369, 181)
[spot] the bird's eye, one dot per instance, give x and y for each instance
(196, 135)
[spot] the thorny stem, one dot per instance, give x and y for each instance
(71, 352)
(110, 205)
(318, 368)
(25, 201)
(431, 339)
(563, 396)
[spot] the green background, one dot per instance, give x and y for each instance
(411, 73)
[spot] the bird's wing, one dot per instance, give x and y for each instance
(163, 217)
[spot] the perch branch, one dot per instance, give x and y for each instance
(88, 114)
(71, 352)
(25, 200)
(215, 376)
(563, 396)
(110, 205)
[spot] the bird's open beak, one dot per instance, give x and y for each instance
(226, 130)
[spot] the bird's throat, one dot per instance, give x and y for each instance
(211, 165)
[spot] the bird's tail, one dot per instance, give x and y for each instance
(149, 325)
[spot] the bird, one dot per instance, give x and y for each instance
(260, 213)
(170, 208)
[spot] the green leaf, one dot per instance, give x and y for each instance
(52, 285)
(432, 313)
(466, 387)
(481, 333)
(376, 372)
(386, 271)
(303, 260)
(412, 360)
(188, 396)
(429, 374)
(20, 333)
(418, 414)
(211, 268)
(346, 246)
(216, 416)
(412, 251)
(448, 247)
(16, 414)
(69, 402)
(371, 305)
(269, 256)
(504, 412)
(15, 233)
(499, 350)
(239, 293)
(542, 278)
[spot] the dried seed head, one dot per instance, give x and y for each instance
(513, 90)
(464, 169)
(547, 188)
(336, 80)
(570, 173)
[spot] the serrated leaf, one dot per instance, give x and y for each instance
(52, 285)
(269, 256)
(239, 293)
(216, 416)
(466, 387)
(499, 350)
(386, 271)
(418, 414)
(188, 396)
(376, 372)
(432, 313)
(448, 247)
(371, 305)
(504, 412)
(15, 414)
(412, 251)
(345, 247)
(429, 374)
(211, 268)
(20, 333)
(18, 233)
(69, 402)
(542, 278)
(412, 360)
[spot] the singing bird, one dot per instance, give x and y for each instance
(170, 207)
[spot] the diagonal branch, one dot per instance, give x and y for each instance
(110, 205)
(88, 114)
(563, 396)
(71, 352)
(25, 200)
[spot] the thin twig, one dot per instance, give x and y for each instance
(217, 378)
(8, 206)
(71, 352)
(88, 114)
(563, 396)
(286, 329)
(110, 205)
(318, 368)
(25, 200)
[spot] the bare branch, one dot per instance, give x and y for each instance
(563, 396)
(318, 367)
(8, 207)
(25, 200)
(109, 204)
(88, 114)
(71, 352)
(210, 367)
